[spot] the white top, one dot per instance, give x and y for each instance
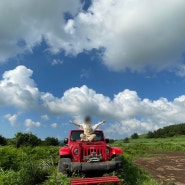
(83, 126)
(88, 128)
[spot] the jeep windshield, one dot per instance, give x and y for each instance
(75, 135)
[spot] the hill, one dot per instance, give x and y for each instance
(168, 131)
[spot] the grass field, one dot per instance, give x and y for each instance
(143, 146)
(38, 166)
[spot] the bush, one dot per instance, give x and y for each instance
(3, 140)
(26, 139)
(150, 135)
(51, 141)
(57, 179)
(126, 140)
(34, 172)
(11, 158)
(135, 136)
(9, 177)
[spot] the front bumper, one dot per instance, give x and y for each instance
(107, 166)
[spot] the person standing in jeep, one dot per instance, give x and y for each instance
(88, 128)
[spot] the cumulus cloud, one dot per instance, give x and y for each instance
(18, 89)
(12, 119)
(25, 23)
(132, 34)
(29, 124)
(180, 70)
(54, 125)
(45, 117)
(126, 110)
(78, 101)
(56, 62)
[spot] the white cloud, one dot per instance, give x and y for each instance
(84, 73)
(45, 117)
(127, 111)
(54, 125)
(18, 89)
(180, 70)
(134, 34)
(56, 62)
(12, 119)
(29, 124)
(25, 23)
(78, 101)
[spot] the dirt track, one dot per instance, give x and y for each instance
(166, 167)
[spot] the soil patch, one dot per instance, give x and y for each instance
(166, 167)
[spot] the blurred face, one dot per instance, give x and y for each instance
(87, 120)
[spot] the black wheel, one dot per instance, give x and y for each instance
(119, 163)
(64, 165)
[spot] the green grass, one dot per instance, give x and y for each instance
(132, 175)
(143, 139)
(143, 146)
(37, 166)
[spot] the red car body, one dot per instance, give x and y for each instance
(88, 156)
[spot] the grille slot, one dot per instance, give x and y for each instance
(89, 151)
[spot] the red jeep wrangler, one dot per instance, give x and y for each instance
(85, 156)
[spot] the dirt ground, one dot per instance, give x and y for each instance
(166, 167)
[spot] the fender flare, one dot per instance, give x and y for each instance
(64, 151)
(116, 150)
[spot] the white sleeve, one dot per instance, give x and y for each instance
(96, 126)
(81, 126)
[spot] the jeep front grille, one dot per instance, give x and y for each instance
(89, 151)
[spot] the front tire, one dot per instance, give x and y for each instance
(64, 165)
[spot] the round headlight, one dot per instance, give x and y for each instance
(75, 151)
(107, 151)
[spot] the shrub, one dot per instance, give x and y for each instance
(34, 172)
(11, 158)
(9, 177)
(126, 140)
(134, 136)
(51, 141)
(57, 179)
(26, 139)
(3, 140)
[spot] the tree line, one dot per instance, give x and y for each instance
(168, 131)
(28, 139)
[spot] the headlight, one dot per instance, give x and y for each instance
(107, 151)
(75, 151)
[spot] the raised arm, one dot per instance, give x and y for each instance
(75, 123)
(98, 124)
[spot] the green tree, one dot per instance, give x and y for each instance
(135, 136)
(126, 140)
(3, 140)
(51, 141)
(26, 139)
(150, 135)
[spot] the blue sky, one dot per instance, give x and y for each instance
(116, 60)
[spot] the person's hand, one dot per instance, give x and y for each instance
(103, 121)
(71, 122)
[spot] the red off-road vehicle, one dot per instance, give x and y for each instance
(84, 156)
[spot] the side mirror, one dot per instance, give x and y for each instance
(107, 140)
(66, 140)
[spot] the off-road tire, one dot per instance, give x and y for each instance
(64, 165)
